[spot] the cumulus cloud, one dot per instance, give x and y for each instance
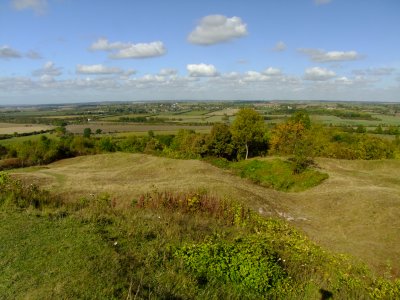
(141, 50)
(214, 29)
(231, 75)
(319, 55)
(272, 71)
(230, 85)
(320, 2)
(201, 70)
(254, 76)
(344, 80)
(38, 6)
(280, 47)
(168, 72)
(318, 74)
(104, 45)
(120, 50)
(7, 52)
(49, 69)
(97, 70)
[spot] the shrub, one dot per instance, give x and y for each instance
(278, 174)
(250, 263)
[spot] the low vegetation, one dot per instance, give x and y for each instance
(166, 245)
(278, 174)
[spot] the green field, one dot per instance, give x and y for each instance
(21, 139)
(386, 120)
(195, 113)
(117, 118)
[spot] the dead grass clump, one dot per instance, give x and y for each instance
(231, 212)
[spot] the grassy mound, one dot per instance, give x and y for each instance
(166, 245)
(354, 211)
(276, 174)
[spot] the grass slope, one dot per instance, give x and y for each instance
(48, 259)
(166, 246)
(354, 211)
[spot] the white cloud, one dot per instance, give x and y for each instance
(231, 75)
(215, 29)
(344, 80)
(151, 78)
(7, 52)
(97, 70)
(280, 47)
(168, 72)
(48, 69)
(141, 50)
(201, 70)
(38, 6)
(104, 45)
(16, 83)
(121, 50)
(230, 85)
(254, 76)
(129, 72)
(318, 74)
(320, 2)
(319, 55)
(272, 71)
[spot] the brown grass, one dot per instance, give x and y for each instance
(9, 128)
(355, 211)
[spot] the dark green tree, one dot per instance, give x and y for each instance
(220, 141)
(301, 117)
(87, 132)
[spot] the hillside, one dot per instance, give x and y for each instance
(355, 211)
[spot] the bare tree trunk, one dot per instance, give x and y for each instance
(247, 150)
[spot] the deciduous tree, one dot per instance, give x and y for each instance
(248, 128)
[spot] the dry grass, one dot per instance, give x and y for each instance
(10, 128)
(355, 211)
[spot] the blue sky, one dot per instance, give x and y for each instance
(54, 51)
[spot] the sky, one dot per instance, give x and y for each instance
(61, 51)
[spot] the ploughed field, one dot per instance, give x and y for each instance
(355, 211)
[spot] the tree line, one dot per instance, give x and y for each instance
(248, 136)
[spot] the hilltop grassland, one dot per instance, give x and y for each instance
(354, 211)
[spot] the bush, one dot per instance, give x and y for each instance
(249, 263)
(278, 174)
